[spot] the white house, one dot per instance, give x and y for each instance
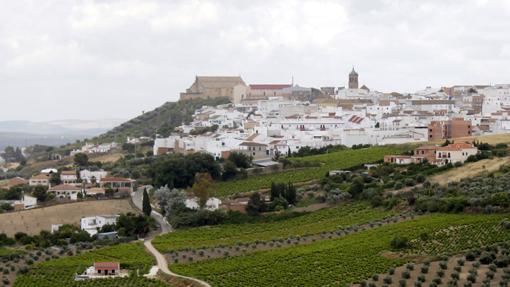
(92, 224)
(453, 153)
(68, 177)
(88, 175)
(65, 191)
(212, 203)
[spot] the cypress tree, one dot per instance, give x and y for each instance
(146, 204)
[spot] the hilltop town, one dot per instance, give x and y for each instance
(305, 168)
(268, 120)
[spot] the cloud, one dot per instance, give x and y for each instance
(116, 58)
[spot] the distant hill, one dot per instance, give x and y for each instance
(25, 140)
(161, 120)
(51, 133)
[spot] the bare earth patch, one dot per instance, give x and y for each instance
(34, 220)
(470, 170)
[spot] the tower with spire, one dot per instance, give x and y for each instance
(353, 79)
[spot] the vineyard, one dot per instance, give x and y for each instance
(341, 261)
(312, 223)
(60, 272)
(335, 160)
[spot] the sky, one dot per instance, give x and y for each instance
(114, 59)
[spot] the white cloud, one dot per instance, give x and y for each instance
(134, 55)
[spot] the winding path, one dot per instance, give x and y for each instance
(165, 228)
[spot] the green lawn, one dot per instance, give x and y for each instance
(335, 160)
(338, 262)
(328, 219)
(60, 272)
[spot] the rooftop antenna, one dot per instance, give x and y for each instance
(293, 80)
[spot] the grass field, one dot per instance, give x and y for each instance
(335, 160)
(60, 272)
(470, 170)
(328, 219)
(338, 262)
(32, 221)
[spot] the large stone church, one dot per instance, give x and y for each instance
(216, 87)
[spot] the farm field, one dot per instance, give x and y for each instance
(32, 221)
(60, 272)
(470, 170)
(335, 160)
(327, 219)
(349, 259)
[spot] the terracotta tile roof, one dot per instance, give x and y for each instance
(40, 176)
(106, 265)
(64, 187)
(68, 172)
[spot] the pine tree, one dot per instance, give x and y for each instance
(146, 204)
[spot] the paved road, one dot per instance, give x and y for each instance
(137, 198)
(162, 263)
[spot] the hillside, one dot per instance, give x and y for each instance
(161, 120)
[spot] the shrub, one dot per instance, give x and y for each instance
(486, 258)
(470, 256)
(471, 278)
(375, 277)
(398, 243)
(424, 269)
(421, 278)
(387, 280)
(391, 271)
(502, 261)
(406, 275)
(443, 265)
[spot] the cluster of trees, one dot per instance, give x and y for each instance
(307, 151)
(131, 225)
(163, 120)
(203, 130)
(13, 154)
(16, 192)
(282, 195)
(235, 165)
(172, 203)
(66, 234)
(176, 170)
(179, 171)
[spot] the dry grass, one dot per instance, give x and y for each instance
(470, 170)
(107, 158)
(490, 139)
(34, 220)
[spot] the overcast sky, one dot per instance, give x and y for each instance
(115, 59)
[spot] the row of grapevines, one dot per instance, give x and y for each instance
(340, 261)
(324, 220)
(60, 272)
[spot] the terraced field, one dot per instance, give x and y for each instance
(335, 160)
(312, 223)
(60, 272)
(352, 258)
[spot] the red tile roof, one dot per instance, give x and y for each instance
(64, 187)
(106, 265)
